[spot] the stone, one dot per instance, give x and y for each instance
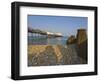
(71, 40)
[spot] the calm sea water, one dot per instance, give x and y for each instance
(44, 40)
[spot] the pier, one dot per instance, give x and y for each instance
(47, 34)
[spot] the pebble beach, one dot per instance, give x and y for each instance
(46, 55)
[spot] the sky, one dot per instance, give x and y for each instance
(67, 25)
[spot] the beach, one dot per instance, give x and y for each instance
(47, 55)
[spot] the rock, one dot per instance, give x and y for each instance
(44, 58)
(47, 57)
(71, 40)
(69, 55)
(81, 44)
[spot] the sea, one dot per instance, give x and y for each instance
(40, 40)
